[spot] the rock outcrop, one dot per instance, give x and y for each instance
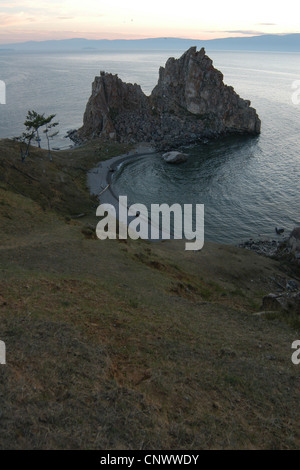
(189, 103)
(287, 301)
(294, 241)
(112, 100)
(284, 248)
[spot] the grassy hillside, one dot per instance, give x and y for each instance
(131, 344)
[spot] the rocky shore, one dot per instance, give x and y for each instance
(189, 104)
(286, 295)
(265, 247)
(288, 246)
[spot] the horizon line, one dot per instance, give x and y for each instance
(155, 37)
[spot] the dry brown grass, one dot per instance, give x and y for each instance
(135, 345)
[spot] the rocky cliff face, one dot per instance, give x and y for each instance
(192, 85)
(110, 99)
(189, 103)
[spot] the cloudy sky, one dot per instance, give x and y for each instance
(114, 19)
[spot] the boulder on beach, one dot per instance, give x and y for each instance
(174, 157)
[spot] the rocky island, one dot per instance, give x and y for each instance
(189, 103)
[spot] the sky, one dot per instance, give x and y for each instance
(29, 20)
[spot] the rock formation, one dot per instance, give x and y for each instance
(294, 241)
(112, 101)
(189, 103)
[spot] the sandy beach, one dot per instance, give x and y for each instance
(100, 178)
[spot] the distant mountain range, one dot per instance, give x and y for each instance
(266, 42)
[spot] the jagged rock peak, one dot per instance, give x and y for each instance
(110, 97)
(189, 102)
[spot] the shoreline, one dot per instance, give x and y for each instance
(100, 178)
(99, 181)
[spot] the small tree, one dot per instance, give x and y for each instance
(33, 123)
(21, 140)
(46, 131)
(26, 139)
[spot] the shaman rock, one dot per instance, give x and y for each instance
(191, 86)
(189, 103)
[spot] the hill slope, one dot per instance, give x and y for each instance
(114, 345)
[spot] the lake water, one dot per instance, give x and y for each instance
(248, 185)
